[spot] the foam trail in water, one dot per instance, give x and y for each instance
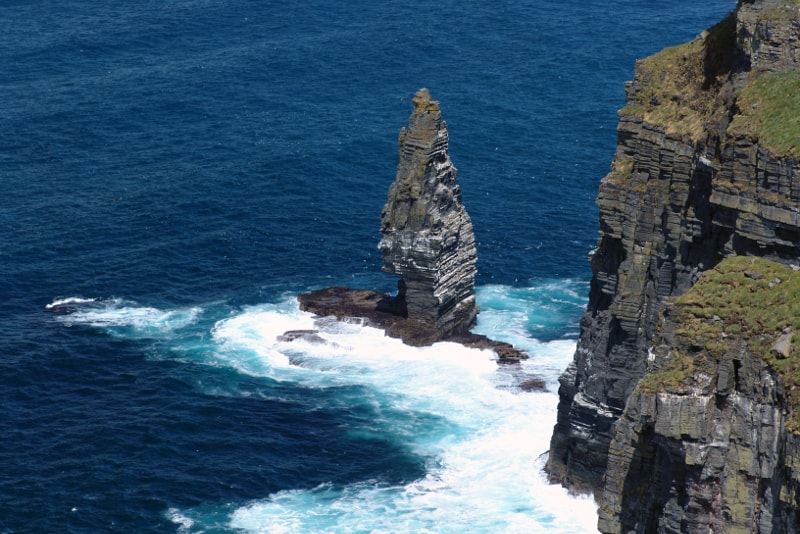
(123, 318)
(484, 460)
(486, 470)
(63, 304)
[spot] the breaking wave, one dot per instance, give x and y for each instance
(481, 438)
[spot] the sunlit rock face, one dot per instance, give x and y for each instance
(707, 168)
(427, 236)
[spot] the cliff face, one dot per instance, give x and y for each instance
(706, 442)
(706, 168)
(714, 458)
(427, 235)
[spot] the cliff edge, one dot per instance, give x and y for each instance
(706, 169)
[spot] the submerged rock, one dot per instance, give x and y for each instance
(427, 236)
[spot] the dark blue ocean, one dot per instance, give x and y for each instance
(173, 173)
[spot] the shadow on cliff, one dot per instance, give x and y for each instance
(649, 483)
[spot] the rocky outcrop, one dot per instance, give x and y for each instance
(374, 309)
(768, 34)
(427, 236)
(707, 442)
(712, 458)
(699, 175)
(427, 239)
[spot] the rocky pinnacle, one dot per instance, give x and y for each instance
(427, 236)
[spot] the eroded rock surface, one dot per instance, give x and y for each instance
(692, 182)
(375, 309)
(707, 442)
(427, 239)
(427, 236)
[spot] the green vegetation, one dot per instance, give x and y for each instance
(621, 169)
(672, 378)
(679, 85)
(664, 97)
(770, 112)
(744, 298)
(686, 90)
(786, 10)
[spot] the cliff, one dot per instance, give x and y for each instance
(706, 169)
(707, 441)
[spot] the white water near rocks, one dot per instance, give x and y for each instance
(481, 437)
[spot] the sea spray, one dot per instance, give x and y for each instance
(481, 444)
(123, 318)
(478, 435)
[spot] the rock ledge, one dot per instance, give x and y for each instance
(375, 307)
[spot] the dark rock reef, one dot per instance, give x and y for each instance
(427, 239)
(374, 309)
(706, 169)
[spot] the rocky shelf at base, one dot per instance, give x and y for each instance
(375, 308)
(426, 239)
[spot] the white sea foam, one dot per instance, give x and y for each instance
(483, 437)
(123, 318)
(68, 301)
(485, 469)
(487, 475)
(184, 523)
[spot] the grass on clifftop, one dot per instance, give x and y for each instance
(746, 298)
(662, 98)
(770, 112)
(685, 89)
(785, 10)
(678, 87)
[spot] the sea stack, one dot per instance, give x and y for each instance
(427, 240)
(427, 236)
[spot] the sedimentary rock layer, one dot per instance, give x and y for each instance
(707, 441)
(427, 236)
(698, 176)
(427, 239)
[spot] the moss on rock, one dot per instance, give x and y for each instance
(770, 112)
(743, 299)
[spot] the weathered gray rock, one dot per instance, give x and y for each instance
(427, 239)
(675, 203)
(427, 236)
(712, 454)
(783, 346)
(764, 28)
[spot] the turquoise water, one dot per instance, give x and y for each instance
(173, 174)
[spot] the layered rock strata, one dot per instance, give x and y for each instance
(705, 169)
(707, 441)
(427, 239)
(427, 236)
